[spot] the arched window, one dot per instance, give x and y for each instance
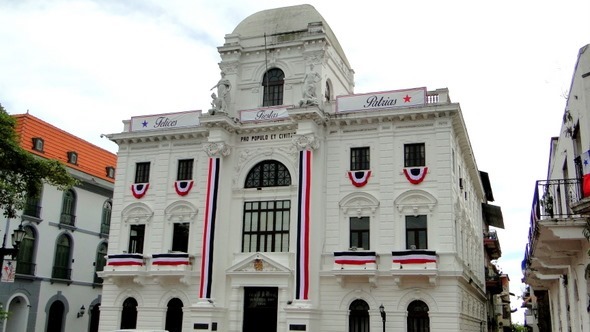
(266, 223)
(68, 208)
(26, 252)
(273, 82)
(129, 314)
(174, 316)
(55, 318)
(358, 318)
(328, 92)
(418, 320)
(105, 222)
(268, 173)
(101, 261)
(61, 261)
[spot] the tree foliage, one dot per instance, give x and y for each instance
(22, 173)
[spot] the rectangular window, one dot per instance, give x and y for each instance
(359, 159)
(359, 232)
(266, 226)
(136, 237)
(180, 237)
(72, 157)
(185, 170)
(416, 231)
(142, 172)
(414, 155)
(38, 144)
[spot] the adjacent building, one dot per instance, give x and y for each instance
(55, 287)
(294, 204)
(556, 265)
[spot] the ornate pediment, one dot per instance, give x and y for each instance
(258, 263)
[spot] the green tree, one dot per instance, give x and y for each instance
(22, 173)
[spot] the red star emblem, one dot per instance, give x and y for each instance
(407, 99)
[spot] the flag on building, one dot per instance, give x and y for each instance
(586, 171)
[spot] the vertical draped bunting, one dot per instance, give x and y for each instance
(302, 278)
(209, 229)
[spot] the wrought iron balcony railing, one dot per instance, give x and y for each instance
(60, 272)
(26, 268)
(554, 198)
(68, 219)
(33, 210)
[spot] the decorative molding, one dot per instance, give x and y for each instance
(305, 142)
(217, 149)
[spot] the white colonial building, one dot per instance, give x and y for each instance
(556, 266)
(54, 286)
(295, 204)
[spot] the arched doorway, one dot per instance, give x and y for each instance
(19, 313)
(55, 318)
(358, 317)
(94, 317)
(129, 314)
(174, 315)
(418, 320)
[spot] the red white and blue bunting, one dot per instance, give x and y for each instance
(139, 189)
(355, 257)
(359, 178)
(125, 260)
(414, 256)
(183, 187)
(172, 259)
(415, 174)
(302, 268)
(209, 229)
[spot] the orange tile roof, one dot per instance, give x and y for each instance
(92, 160)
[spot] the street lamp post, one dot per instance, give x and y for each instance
(17, 237)
(383, 315)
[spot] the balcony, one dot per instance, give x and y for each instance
(61, 274)
(556, 229)
(493, 284)
(67, 219)
(415, 265)
(25, 268)
(492, 244)
(32, 209)
(355, 265)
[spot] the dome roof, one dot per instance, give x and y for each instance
(285, 19)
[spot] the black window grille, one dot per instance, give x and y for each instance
(414, 155)
(142, 172)
(360, 159)
(185, 169)
(266, 226)
(268, 173)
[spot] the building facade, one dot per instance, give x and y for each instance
(294, 204)
(556, 264)
(55, 287)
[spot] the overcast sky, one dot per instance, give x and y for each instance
(84, 66)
